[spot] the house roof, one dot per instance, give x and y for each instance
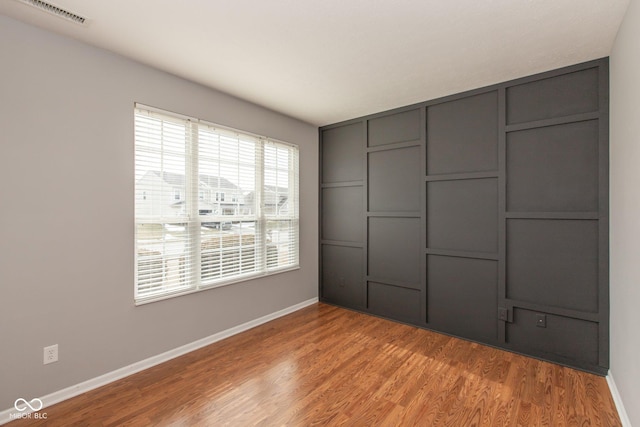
(275, 189)
(272, 190)
(213, 182)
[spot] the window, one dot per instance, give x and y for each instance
(187, 242)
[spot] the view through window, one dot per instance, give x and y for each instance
(213, 205)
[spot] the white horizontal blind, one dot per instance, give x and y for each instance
(280, 204)
(227, 164)
(163, 244)
(213, 205)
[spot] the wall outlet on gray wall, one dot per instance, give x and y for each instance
(50, 354)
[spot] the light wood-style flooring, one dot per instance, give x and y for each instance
(324, 365)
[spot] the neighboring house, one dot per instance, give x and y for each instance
(163, 194)
(276, 200)
(225, 197)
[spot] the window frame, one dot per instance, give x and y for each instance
(194, 219)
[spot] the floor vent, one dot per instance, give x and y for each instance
(55, 10)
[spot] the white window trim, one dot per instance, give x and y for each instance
(260, 217)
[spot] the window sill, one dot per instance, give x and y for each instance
(231, 281)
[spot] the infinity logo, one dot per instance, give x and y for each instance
(22, 405)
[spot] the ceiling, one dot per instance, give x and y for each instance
(325, 61)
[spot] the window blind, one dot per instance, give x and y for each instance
(213, 205)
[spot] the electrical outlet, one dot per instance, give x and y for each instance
(50, 354)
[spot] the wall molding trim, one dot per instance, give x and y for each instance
(615, 394)
(109, 377)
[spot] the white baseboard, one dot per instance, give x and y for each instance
(622, 413)
(83, 387)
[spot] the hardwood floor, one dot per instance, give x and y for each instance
(324, 365)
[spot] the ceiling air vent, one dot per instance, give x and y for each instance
(55, 10)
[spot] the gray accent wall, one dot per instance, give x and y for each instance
(67, 214)
(482, 215)
(625, 212)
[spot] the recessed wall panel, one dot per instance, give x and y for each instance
(571, 338)
(559, 96)
(394, 301)
(553, 262)
(462, 296)
(462, 135)
(394, 180)
(553, 168)
(394, 250)
(342, 280)
(463, 215)
(342, 153)
(399, 127)
(342, 214)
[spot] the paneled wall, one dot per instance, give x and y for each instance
(482, 215)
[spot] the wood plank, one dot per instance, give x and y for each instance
(325, 365)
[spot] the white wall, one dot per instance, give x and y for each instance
(625, 212)
(66, 214)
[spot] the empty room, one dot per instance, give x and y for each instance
(295, 213)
